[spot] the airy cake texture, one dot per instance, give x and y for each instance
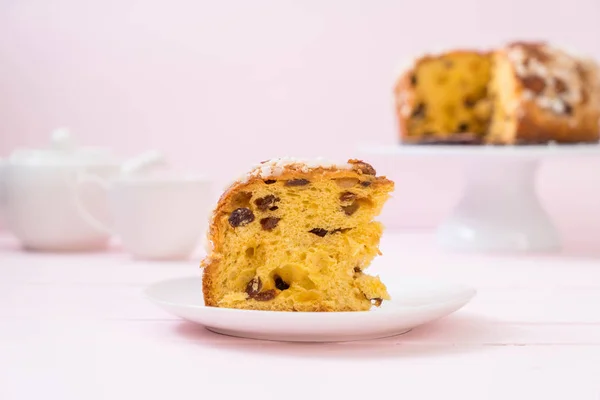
(294, 235)
(523, 93)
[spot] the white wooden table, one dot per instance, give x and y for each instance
(77, 327)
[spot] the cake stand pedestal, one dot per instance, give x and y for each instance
(499, 209)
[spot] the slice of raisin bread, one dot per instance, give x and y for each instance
(296, 235)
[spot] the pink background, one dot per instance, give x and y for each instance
(219, 85)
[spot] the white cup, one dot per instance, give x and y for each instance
(155, 218)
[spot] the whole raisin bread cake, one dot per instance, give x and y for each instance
(523, 93)
(297, 235)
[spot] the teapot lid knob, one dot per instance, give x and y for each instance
(61, 139)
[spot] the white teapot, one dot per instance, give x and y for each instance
(39, 190)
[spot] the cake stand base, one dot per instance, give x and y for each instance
(499, 210)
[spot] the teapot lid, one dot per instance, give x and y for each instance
(63, 151)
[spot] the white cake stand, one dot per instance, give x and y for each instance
(499, 209)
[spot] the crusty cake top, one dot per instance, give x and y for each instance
(277, 166)
(555, 79)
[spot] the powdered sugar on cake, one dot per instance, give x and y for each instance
(276, 166)
(560, 83)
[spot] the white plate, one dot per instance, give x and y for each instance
(414, 302)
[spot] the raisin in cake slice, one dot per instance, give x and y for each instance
(297, 235)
